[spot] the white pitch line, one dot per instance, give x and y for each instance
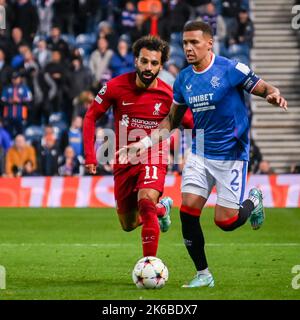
(103, 245)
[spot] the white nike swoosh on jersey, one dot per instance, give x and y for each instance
(146, 182)
(126, 103)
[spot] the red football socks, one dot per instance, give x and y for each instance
(150, 227)
(160, 210)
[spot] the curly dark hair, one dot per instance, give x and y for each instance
(154, 44)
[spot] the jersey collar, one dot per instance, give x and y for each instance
(208, 67)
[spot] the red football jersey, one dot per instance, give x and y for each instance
(133, 107)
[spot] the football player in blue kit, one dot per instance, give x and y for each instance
(212, 87)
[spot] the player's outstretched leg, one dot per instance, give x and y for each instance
(257, 216)
(165, 218)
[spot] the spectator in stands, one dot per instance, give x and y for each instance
(106, 30)
(240, 37)
(70, 164)
(178, 15)
(255, 157)
(28, 169)
(229, 10)
(172, 68)
(6, 44)
(45, 12)
(128, 17)
(16, 99)
(197, 7)
(5, 71)
(32, 75)
(265, 168)
(99, 63)
(80, 78)
(5, 139)
(17, 155)
(17, 40)
(56, 72)
(82, 102)
(48, 153)
(17, 61)
(122, 61)
(26, 18)
(56, 43)
(85, 13)
(49, 92)
(137, 31)
(42, 53)
(73, 137)
(29, 69)
(9, 15)
(156, 24)
(64, 15)
(217, 23)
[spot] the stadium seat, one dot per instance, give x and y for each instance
(33, 133)
(57, 121)
(86, 41)
(70, 39)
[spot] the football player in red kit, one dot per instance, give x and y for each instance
(140, 100)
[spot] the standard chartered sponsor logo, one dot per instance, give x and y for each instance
(143, 124)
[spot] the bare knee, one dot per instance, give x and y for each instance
(127, 227)
(148, 194)
(129, 221)
(193, 200)
(225, 217)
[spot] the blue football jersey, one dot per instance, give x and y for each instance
(216, 98)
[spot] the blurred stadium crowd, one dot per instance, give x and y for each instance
(56, 54)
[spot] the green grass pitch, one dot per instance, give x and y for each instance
(84, 254)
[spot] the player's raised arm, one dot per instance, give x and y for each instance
(270, 93)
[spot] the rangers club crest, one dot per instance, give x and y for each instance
(156, 109)
(215, 82)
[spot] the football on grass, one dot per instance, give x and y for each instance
(150, 273)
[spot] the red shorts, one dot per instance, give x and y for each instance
(130, 179)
